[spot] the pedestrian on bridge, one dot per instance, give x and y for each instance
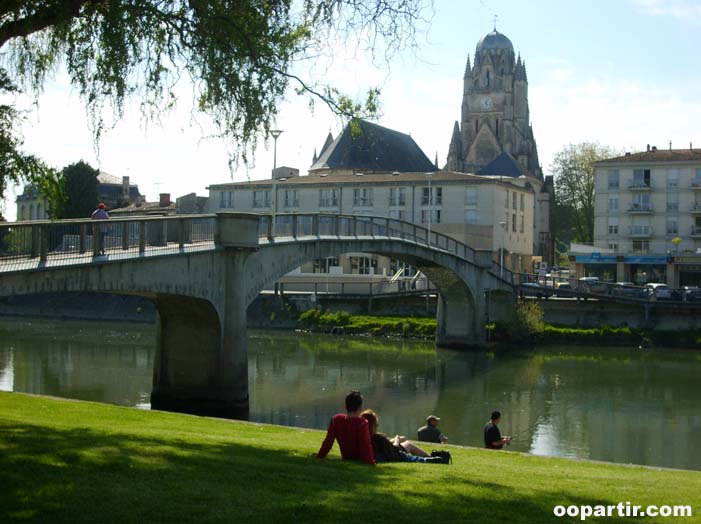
(101, 214)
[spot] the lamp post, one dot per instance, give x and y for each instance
(275, 134)
(430, 207)
(501, 257)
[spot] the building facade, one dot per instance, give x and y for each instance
(647, 218)
(495, 120)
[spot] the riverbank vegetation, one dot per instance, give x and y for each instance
(65, 461)
(345, 323)
(524, 326)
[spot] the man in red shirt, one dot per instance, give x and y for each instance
(352, 432)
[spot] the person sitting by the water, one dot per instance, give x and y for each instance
(397, 449)
(430, 432)
(492, 435)
(352, 432)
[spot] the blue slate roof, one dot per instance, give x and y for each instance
(503, 165)
(374, 149)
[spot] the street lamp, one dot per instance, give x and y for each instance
(501, 257)
(275, 133)
(430, 207)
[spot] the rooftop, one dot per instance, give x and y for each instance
(375, 149)
(656, 155)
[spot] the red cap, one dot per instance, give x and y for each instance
(101, 205)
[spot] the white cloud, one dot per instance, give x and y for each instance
(687, 10)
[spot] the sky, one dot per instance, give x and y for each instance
(620, 72)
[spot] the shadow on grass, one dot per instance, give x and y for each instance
(79, 475)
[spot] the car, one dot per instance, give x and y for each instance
(691, 293)
(657, 291)
(628, 290)
(533, 289)
(591, 285)
(564, 289)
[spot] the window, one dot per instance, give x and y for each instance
(640, 229)
(513, 223)
(436, 193)
(261, 199)
(397, 196)
(397, 214)
(507, 200)
(641, 178)
(641, 202)
(291, 198)
(362, 197)
(328, 197)
(613, 203)
(435, 216)
(613, 178)
(641, 246)
(322, 265)
(363, 265)
(521, 227)
(226, 199)
(613, 226)
(470, 196)
(673, 201)
(696, 182)
(514, 202)
(613, 246)
(672, 179)
(472, 216)
(672, 226)
(523, 202)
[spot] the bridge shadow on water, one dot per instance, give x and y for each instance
(80, 475)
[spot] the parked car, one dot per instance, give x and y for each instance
(591, 285)
(533, 289)
(691, 293)
(628, 290)
(564, 289)
(656, 291)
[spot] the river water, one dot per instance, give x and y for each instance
(625, 405)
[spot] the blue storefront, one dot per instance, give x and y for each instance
(640, 269)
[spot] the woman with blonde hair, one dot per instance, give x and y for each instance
(397, 449)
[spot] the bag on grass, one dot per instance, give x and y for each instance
(445, 455)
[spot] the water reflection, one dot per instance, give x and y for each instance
(602, 403)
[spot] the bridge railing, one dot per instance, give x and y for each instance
(333, 224)
(26, 245)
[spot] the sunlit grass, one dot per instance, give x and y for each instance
(66, 462)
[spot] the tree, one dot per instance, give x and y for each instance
(239, 54)
(574, 189)
(15, 163)
(80, 183)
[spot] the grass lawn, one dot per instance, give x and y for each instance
(69, 462)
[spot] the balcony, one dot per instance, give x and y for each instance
(695, 208)
(640, 186)
(696, 231)
(640, 208)
(696, 184)
(640, 231)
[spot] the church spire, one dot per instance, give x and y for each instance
(455, 150)
(315, 157)
(520, 71)
(468, 67)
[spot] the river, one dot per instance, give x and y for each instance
(626, 405)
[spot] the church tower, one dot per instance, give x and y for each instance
(494, 136)
(495, 116)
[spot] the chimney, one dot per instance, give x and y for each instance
(125, 187)
(164, 199)
(670, 145)
(648, 148)
(691, 146)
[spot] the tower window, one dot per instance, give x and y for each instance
(497, 127)
(476, 125)
(487, 84)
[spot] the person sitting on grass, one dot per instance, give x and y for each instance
(430, 432)
(351, 431)
(397, 449)
(492, 435)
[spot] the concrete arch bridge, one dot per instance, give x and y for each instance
(203, 271)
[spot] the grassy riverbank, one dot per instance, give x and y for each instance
(532, 332)
(70, 462)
